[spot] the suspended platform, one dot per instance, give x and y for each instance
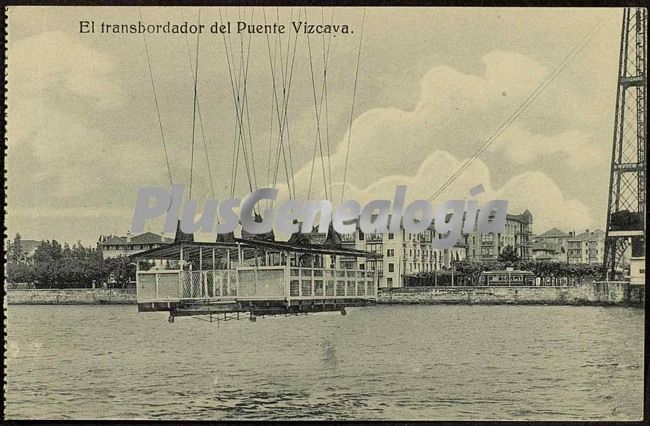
(255, 277)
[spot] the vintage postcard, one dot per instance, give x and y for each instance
(325, 213)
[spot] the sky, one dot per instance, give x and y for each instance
(432, 85)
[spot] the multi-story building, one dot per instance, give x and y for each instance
(405, 255)
(587, 247)
(550, 246)
(517, 234)
(548, 252)
(114, 246)
(553, 236)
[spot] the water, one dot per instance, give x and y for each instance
(384, 362)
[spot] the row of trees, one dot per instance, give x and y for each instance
(53, 265)
(468, 272)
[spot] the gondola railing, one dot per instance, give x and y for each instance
(255, 283)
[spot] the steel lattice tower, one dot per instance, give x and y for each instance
(627, 185)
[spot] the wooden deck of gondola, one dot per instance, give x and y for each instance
(255, 307)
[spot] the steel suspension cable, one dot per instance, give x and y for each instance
(317, 140)
(327, 125)
(521, 108)
(155, 98)
(286, 109)
(283, 121)
(354, 93)
(318, 108)
(274, 95)
(240, 103)
(284, 95)
(272, 64)
(196, 78)
(237, 132)
(235, 94)
(245, 100)
(289, 74)
(198, 109)
(268, 164)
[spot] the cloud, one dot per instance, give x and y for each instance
(576, 147)
(534, 191)
(454, 113)
(56, 64)
(86, 147)
(550, 208)
(57, 87)
(73, 159)
(436, 137)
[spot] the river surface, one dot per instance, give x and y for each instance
(384, 362)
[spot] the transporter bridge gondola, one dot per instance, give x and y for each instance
(257, 274)
(252, 276)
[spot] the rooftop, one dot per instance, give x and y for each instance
(554, 233)
(589, 236)
(194, 249)
(146, 238)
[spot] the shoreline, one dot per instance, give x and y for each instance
(598, 293)
(77, 296)
(590, 294)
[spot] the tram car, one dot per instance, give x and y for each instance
(508, 278)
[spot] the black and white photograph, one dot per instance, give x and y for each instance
(363, 213)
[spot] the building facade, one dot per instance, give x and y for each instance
(517, 234)
(548, 252)
(405, 255)
(114, 246)
(587, 247)
(553, 236)
(637, 270)
(551, 246)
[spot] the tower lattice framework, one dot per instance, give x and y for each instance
(627, 186)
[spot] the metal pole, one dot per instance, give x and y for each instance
(137, 277)
(202, 277)
(452, 274)
(214, 272)
(228, 273)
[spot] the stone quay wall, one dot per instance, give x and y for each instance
(98, 296)
(596, 293)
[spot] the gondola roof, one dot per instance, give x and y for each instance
(172, 251)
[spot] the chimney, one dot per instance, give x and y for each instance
(128, 236)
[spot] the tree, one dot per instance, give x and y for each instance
(15, 250)
(53, 265)
(47, 266)
(121, 269)
(20, 272)
(508, 254)
(18, 267)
